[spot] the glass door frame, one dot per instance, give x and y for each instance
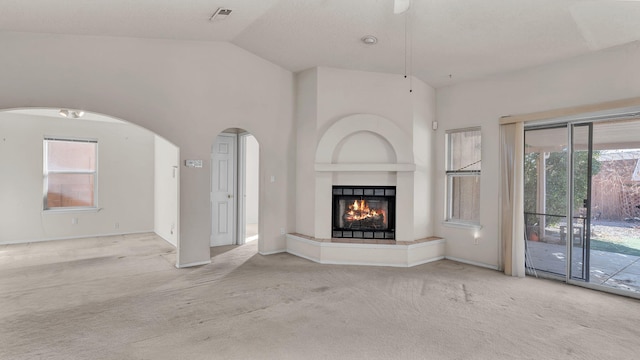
(583, 261)
(585, 233)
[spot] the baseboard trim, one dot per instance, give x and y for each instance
(295, 253)
(78, 237)
(426, 261)
(265, 253)
(474, 263)
(199, 263)
(167, 240)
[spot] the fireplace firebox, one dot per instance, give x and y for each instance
(364, 212)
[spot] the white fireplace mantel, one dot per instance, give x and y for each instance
(396, 168)
(365, 167)
(402, 166)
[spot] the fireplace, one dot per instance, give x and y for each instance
(363, 212)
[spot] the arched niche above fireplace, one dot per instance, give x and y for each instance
(360, 125)
(364, 147)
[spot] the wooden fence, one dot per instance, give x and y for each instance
(615, 196)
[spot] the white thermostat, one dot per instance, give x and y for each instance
(193, 163)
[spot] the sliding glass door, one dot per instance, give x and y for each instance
(582, 203)
(614, 237)
(545, 194)
(557, 173)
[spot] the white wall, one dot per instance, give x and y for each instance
(166, 182)
(252, 180)
(424, 155)
(185, 91)
(125, 179)
(607, 75)
(345, 92)
(307, 138)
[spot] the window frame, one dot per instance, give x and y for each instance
(451, 174)
(47, 172)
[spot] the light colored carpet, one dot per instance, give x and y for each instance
(122, 298)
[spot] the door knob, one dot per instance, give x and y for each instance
(229, 196)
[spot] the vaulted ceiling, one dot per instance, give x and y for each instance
(439, 41)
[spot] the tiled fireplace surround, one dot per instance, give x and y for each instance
(396, 167)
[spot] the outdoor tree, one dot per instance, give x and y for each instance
(556, 180)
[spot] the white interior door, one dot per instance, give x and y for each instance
(223, 190)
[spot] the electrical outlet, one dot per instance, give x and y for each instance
(116, 226)
(74, 221)
(281, 231)
(476, 241)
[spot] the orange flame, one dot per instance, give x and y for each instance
(360, 210)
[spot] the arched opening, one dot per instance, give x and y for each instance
(235, 163)
(76, 174)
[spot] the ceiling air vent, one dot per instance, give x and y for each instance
(220, 14)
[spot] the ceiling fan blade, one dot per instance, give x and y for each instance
(400, 6)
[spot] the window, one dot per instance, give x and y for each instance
(463, 175)
(70, 173)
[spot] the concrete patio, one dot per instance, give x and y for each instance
(611, 269)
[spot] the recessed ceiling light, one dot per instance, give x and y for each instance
(369, 39)
(72, 114)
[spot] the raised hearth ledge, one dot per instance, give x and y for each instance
(369, 252)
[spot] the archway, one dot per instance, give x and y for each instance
(127, 160)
